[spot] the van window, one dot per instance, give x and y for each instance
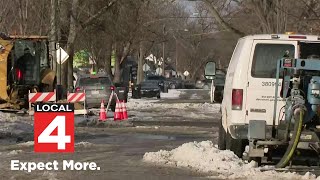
(308, 50)
(264, 64)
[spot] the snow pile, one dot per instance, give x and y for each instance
(204, 157)
(84, 144)
(6, 117)
(172, 93)
(135, 104)
(15, 152)
(49, 175)
(16, 127)
(194, 96)
(28, 143)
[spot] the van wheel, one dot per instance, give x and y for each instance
(237, 146)
(222, 138)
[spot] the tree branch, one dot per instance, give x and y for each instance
(98, 14)
(219, 19)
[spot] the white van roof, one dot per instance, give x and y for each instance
(297, 37)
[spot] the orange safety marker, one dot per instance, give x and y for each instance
(124, 110)
(103, 114)
(117, 112)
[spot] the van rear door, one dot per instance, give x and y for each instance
(261, 78)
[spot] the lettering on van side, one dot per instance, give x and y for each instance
(258, 110)
(266, 83)
(269, 98)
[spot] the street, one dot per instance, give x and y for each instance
(118, 150)
(133, 149)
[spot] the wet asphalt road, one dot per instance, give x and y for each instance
(117, 149)
(118, 152)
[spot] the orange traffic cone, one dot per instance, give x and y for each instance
(121, 110)
(124, 110)
(103, 114)
(117, 113)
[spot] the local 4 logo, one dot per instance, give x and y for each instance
(54, 128)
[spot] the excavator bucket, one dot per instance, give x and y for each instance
(5, 48)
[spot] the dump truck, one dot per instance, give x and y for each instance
(25, 67)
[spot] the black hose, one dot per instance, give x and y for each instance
(293, 143)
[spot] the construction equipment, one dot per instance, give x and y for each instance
(298, 133)
(24, 67)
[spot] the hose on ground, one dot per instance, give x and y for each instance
(293, 142)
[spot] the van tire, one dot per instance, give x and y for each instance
(237, 146)
(222, 137)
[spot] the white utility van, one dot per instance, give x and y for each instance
(250, 83)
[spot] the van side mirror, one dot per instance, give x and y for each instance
(210, 70)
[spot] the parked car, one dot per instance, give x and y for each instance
(203, 84)
(97, 87)
(175, 83)
(162, 81)
(189, 84)
(150, 88)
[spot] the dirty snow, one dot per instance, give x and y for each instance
(172, 93)
(8, 117)
(49, 175)
(12, 124)
(28, 143)
(84, 144)
(205, 157)
(194, 96)
(15, 152)
(134, 104)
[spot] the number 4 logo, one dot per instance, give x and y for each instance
(54, 131)
(61, 139)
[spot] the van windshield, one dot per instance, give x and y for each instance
(264, 64)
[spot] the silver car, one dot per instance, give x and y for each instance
(97, 87)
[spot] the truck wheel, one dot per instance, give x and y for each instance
(222, 138)
(237, 146)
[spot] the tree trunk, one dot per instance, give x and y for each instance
(64, 74)
(54, 35)
(22, 32)
(107, 63)
(70, 44)
(214, 12)
(117, 73)
(140, 63)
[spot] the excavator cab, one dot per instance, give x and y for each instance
(24, 67)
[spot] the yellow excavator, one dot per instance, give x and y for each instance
(24, 66)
